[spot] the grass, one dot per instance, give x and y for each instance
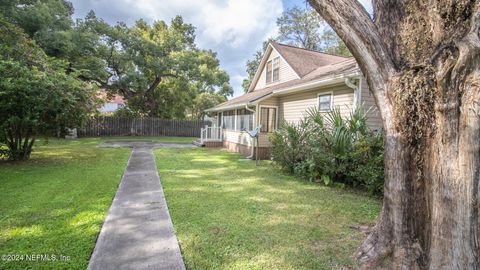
(56, 202)
(230, 214)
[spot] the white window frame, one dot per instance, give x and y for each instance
(331, 101)
(239, 125)
(260, 115)
(234, 120)
(271, 73)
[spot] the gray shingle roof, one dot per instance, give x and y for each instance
(305, 61)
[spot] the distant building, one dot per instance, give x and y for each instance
(112, 104)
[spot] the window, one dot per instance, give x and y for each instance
(276, 69)
(325, 102)
(244, 119)
(229, 120)
(269, 71)
(273, 70)
(268, 119)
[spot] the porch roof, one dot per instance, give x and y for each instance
(243, 100)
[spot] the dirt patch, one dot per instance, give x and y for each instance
(217, 231)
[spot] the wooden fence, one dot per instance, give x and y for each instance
(119, 126)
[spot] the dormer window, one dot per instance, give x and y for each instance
(273, 70)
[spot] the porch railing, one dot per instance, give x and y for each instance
(211, 134)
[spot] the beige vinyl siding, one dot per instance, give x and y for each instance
(295, 106)
(367, 100)
(237, 137)
(243, 138)
(272, 101)
(286, 72)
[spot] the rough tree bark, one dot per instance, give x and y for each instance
(422, 63)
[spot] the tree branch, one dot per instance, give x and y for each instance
(154, 84)
(353, 24)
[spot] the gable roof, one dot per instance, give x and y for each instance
(304, 61)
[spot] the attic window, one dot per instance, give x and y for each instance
(273, 70)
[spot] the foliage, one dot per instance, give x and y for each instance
(290, 143)
(37, 95)
(127, 112)
(302, 28)
(256, 217)
(157, 67)
(333, 44)
(328, 147)
(204, 101)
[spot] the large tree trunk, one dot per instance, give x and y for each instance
(422, 63)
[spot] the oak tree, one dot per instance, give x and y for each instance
(422, 63)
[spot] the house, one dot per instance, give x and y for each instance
(289, 81)
(111, 104)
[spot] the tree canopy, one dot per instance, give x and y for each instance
(157, 67)
(51, 68)
(37, 95)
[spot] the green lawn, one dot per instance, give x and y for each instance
(56, 202)
(230, 214)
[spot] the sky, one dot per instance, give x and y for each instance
(235, 29)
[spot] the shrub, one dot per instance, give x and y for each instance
(327, 147)
(289, 141)
(367, 162)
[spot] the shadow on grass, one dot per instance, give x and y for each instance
(56, 203)
(231, 214)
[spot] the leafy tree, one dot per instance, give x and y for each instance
(37, 96)
(305, 28)
(48, 22)
(333, 44)
(139, 62)
(157, 68)
(204, 101)
(422, 63)
(301, 28)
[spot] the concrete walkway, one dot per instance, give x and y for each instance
(138, 231)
